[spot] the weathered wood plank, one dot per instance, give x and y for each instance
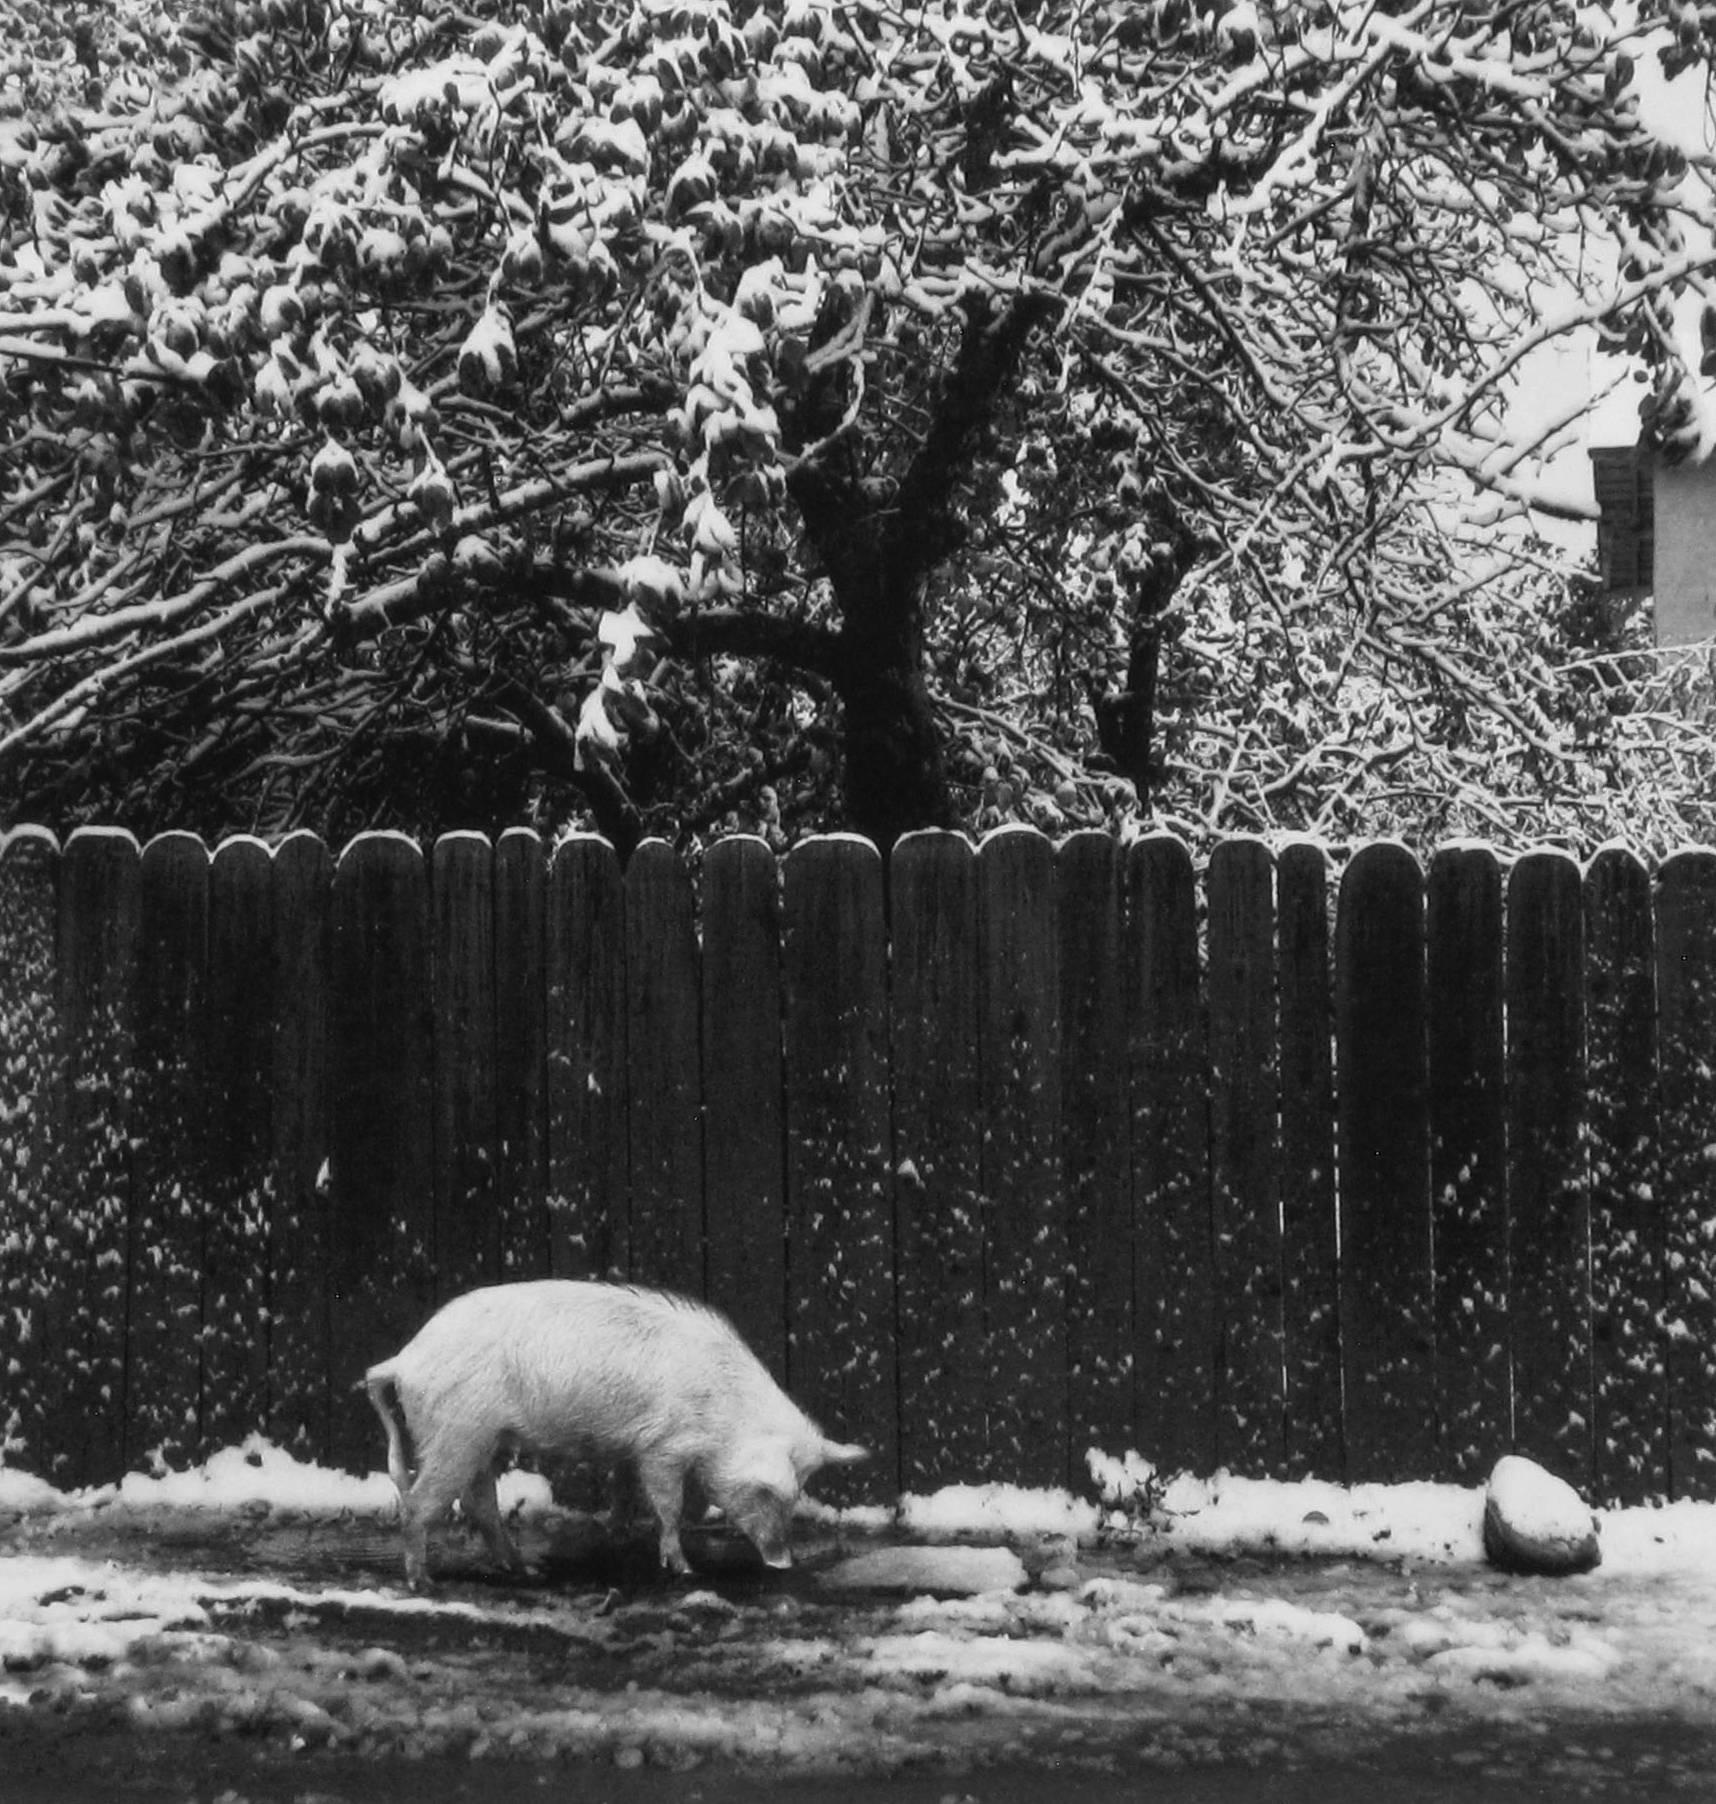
(236, 1053)
(100, 888)
(1025, 1241)
(1629, 1380)
(466, 1235)
(1686, 1004)
(169, 1138)
(744, 1150)
(521, 1054)
(1548, 1200)
(1173, 1282)
(1468, 1157)
(938, 1137)
(381, 1240)
(1245, 1159)
(1310, 1235)
(34, 1266)
(1096, 1147)
(589, 1217)
(664, 1067)
(840, 1235)
(1382, 1086)
(301, 1380)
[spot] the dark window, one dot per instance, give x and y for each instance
(1626, 530)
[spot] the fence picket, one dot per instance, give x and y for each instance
(744, 1152)
(589, 1218)
(663, 1030)
(1310, 1250)
(381, 1241)
(34, 1273)
(1686, 1002)
(1548, 1199)
(939, 1146)
(169, 1135)
(1629, 1414)
(1173, 1282)
(83, 1337)
(521, 1054)
(1386, 1336)
(1464, 959)
(300, 1329)
(1025, 1248)
(466, 1235)
(1245, 1169)
(236, 1056)
(840, 1216)
(1096, 1151)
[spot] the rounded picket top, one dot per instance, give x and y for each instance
(175, 843)
(378, 848)
(520, 842)
(29, 899)
(1383, 864)
(1159, 863)
(1014, 831)
(922, 841)
(835, 846)
(831, 892)
(585, 865)
(28, 840)
(461, 871)
(1088, 850)
(101, 859)
(302, 860)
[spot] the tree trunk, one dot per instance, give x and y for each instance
(895, 777)
(1135, 751)
(880, 557)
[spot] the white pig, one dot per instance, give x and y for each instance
(600, 1373)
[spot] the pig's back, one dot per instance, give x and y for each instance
(571, 1364)
(531, 1308)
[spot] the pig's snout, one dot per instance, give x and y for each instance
(774, 1543)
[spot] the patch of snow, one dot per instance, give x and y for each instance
(1011, 1511)
(23, 1494)
(1023, 1667)
(948, 1571)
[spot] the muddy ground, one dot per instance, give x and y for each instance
(279, 1661)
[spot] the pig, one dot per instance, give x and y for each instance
(611, 1374)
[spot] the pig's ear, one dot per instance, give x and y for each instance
(839, 1453)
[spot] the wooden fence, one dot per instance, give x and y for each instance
(1369, 1172)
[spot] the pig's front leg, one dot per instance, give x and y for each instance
(661, 1476)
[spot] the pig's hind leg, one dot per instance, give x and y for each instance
(482, 1506)
(448, 1468)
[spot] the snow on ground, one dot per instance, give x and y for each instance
(261, 1594)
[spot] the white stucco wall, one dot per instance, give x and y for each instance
(1685, 552)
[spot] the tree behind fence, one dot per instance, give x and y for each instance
(994, 1154)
